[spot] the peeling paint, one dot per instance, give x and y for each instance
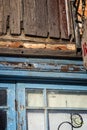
(43, 66)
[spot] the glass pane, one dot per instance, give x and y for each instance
(35, 98)
(35, 120)
(67, 121)
(3, 98)
(67, 100)
(3, 120)
(55, 119)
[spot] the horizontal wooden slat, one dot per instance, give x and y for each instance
(33, 45)
(38, 52)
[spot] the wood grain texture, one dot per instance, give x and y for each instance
(34, 45)
(38, 52)
(35, 20)
(15, 16)
(6, 15)
(1, 15)
(53, 18)
(41, 18)
(63, 20)
(29, 17)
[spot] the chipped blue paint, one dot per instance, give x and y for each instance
(32, 74)
(30, 67)
(49, 86)
(21, 87)
(43, 69)
(21, 112)
(39, 60)
(10, 108)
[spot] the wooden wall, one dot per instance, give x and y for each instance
(43, 18)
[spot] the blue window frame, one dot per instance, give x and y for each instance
(7, 106)
(38, 112)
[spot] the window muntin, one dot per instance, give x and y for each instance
(56, 108)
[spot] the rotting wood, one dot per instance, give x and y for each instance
(32, 16)
(33, 45)
(34, 39)
(53, 18)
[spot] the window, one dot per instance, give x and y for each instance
(49, 109)
(7, 107)
(3, 113)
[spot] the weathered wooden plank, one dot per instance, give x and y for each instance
(38, 52)
(29, 17)
(21, 10)
(1, 15)
(53, 18)
(63, 20)
(6, 13)
(41, 18)
(15, 16)
(35, 20)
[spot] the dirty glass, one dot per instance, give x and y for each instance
(67, 120)
(35, 98)
(35, 119)
(3, 120)
(3, 97)
(66, 100)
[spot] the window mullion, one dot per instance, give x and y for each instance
(45, 111)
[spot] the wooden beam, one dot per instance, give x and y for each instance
(39, 45)
(38, 52)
